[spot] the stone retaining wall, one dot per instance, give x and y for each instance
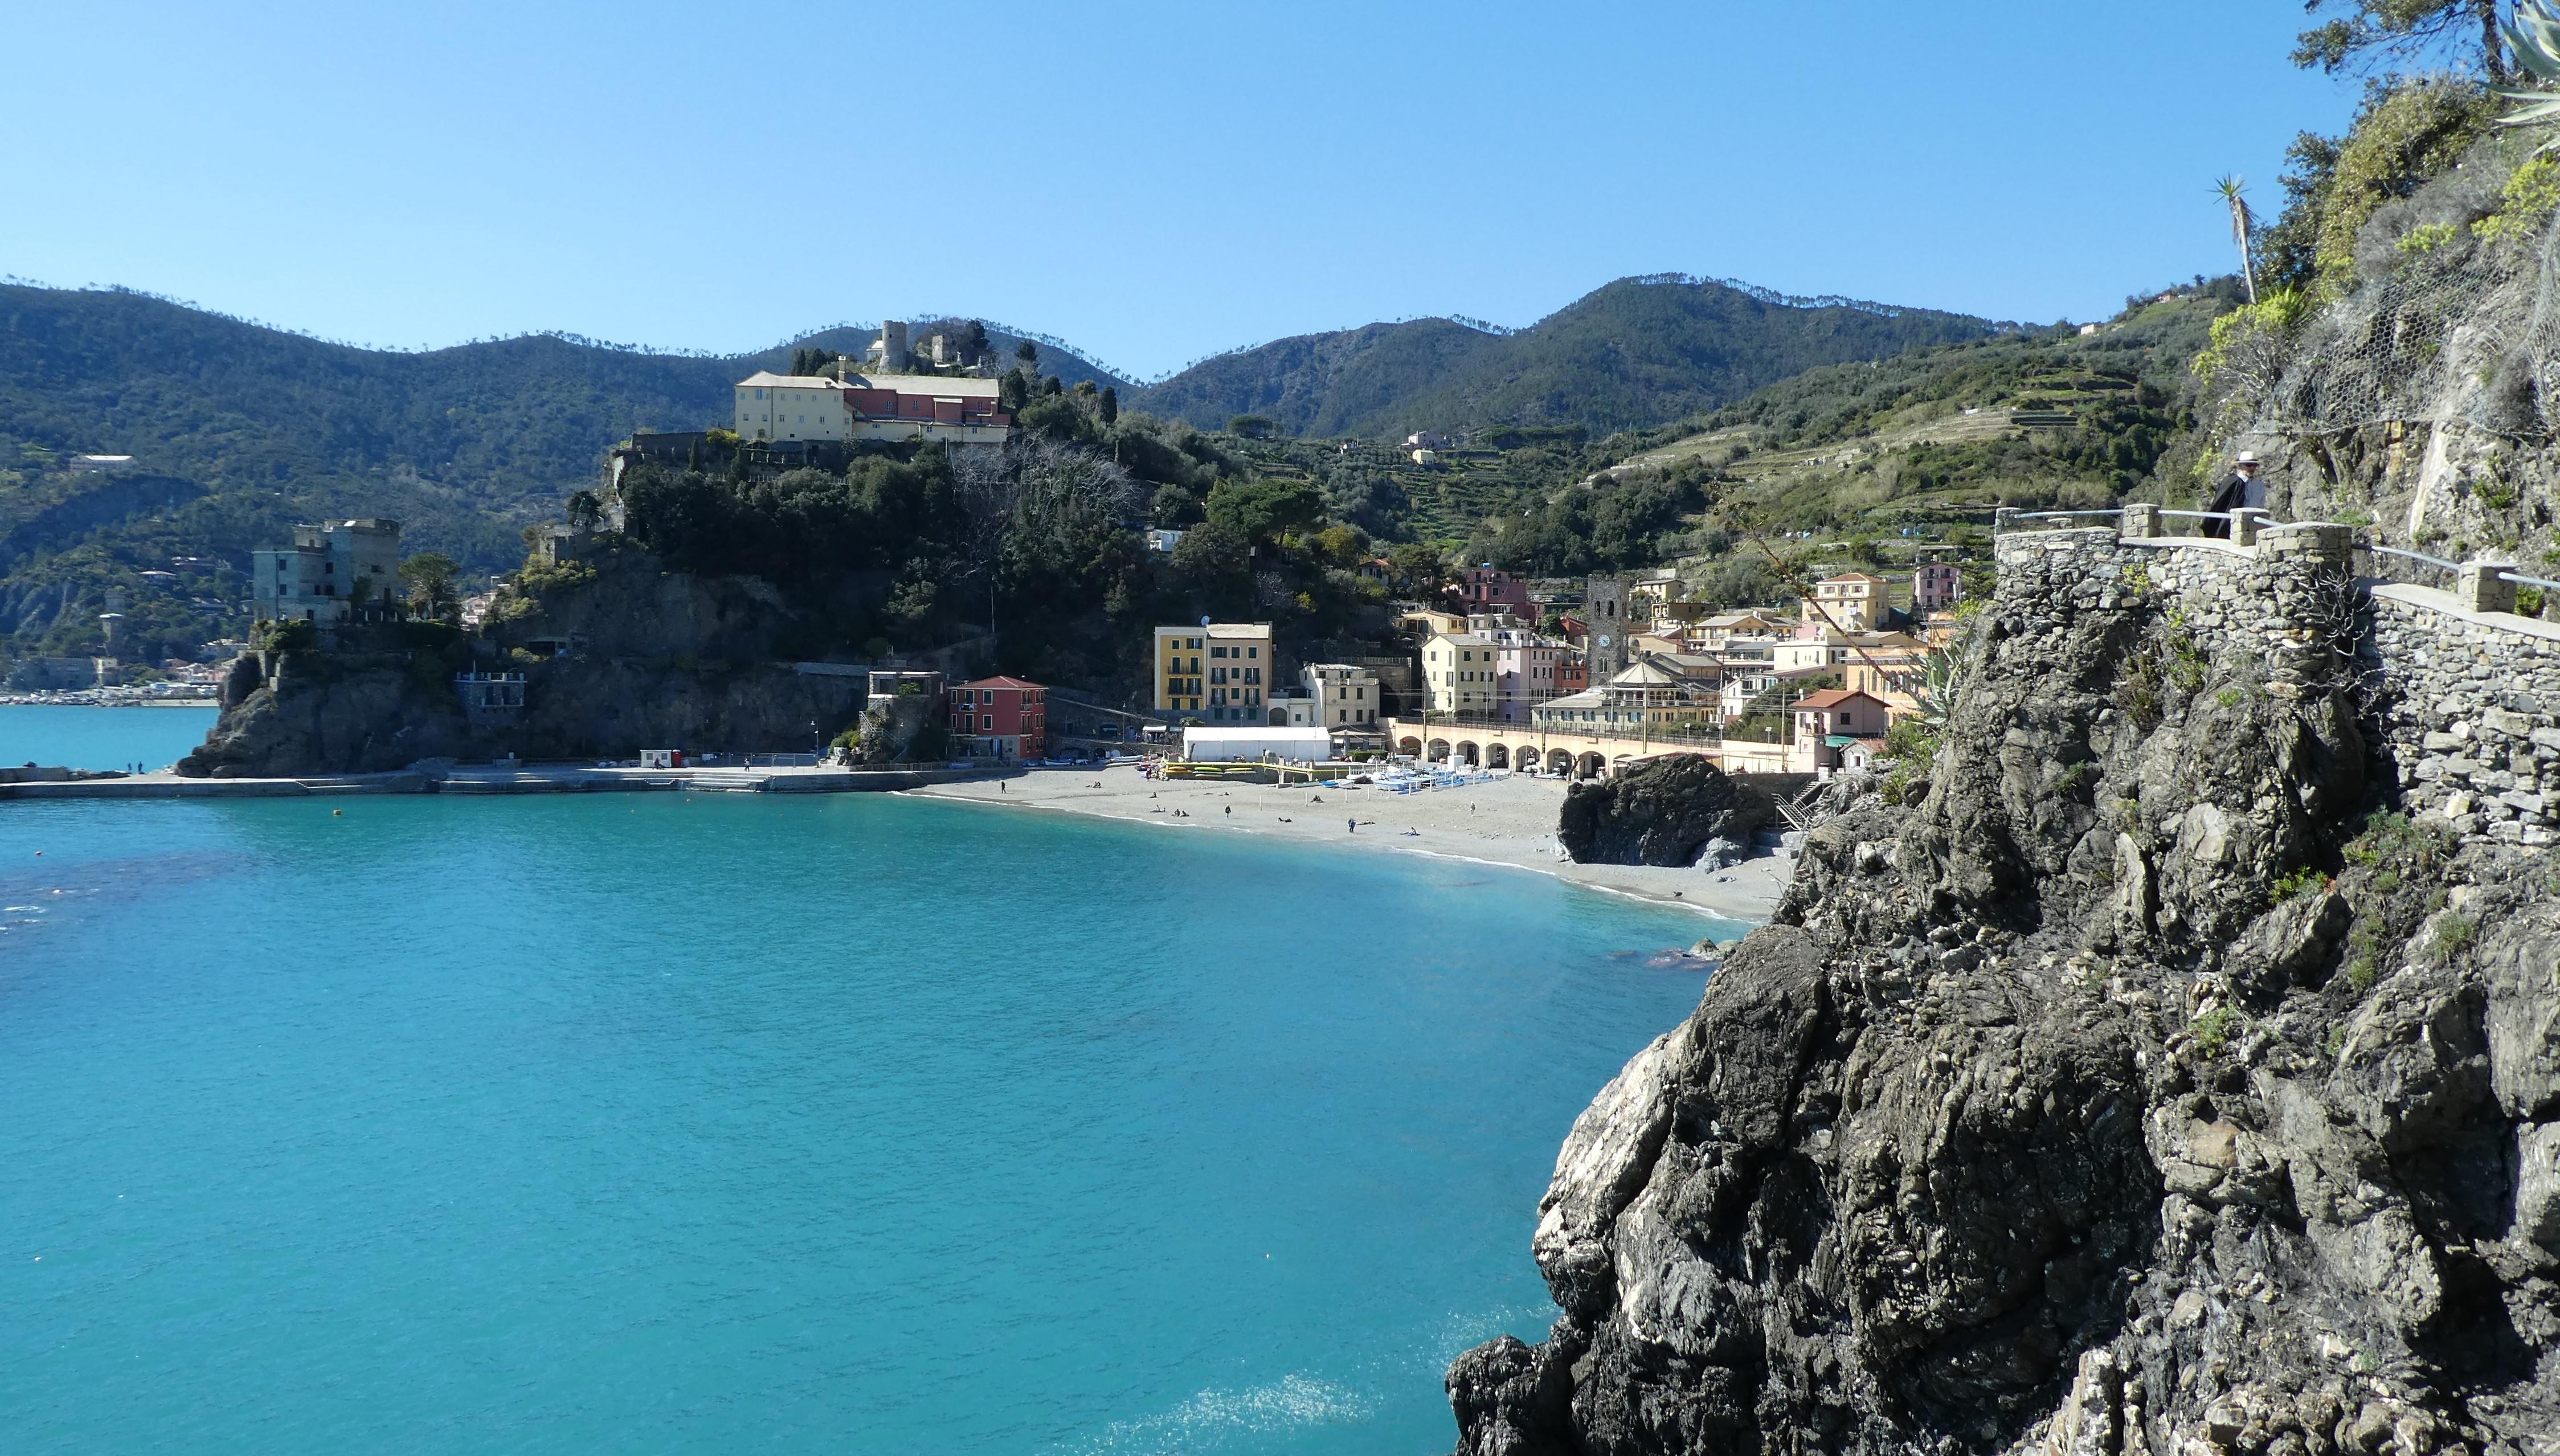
(2467, 699)
(2473, 718)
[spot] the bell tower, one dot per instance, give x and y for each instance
(1604, 606)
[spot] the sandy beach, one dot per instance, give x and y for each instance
(1511, 821)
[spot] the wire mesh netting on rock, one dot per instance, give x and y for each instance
(2464, 333)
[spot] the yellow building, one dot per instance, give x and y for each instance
(1851, 601)
(1890, 669)
(1219, 673)
(1459, 672)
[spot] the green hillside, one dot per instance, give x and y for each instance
(1628, 356)
(239, 430)
(1867, 457)
(502, 428)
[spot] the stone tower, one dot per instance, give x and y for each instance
(1604, 606)
(890, 348)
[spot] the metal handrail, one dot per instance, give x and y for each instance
(2198, 515)
(2394, 551)
(2063, 515)
(2521, 579)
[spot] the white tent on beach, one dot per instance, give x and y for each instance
(1255, 745)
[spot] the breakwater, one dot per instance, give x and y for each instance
(528, 779)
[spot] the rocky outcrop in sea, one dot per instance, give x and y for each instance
(2152, 1086)
(652, 659)
(1669, 810)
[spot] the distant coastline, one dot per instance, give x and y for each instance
(66, 700)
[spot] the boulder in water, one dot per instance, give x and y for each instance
(1664, 811)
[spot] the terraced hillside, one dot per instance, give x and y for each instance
(1940, 436)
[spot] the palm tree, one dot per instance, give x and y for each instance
(2231, 187)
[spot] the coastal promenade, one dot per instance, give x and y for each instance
(1582, 751)
(524, 780)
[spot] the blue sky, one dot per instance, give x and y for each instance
(1154, 183)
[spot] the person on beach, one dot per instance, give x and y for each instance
(1351, 826)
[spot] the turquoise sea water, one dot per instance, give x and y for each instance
(646, 1123)
(99, 738)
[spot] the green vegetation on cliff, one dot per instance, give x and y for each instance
(1029, 557)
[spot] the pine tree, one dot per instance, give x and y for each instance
(2378, 32)
(1110, 404)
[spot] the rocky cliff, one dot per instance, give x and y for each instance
(288, 714)
(2151, 1085)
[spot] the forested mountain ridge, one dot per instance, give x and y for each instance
(1627, 355)
(237, 430)
(503, 424)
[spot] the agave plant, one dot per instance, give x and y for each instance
(2533, 35)
(1935, 694)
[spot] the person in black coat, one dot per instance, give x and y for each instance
(2240, 488)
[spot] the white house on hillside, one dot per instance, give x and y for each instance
(889, 407)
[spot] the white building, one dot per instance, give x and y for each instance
(1345, 695)
(886, 406)
(1292, 708)
(1812, 651)
(1257, 744)
(328, 571)
(1745, 682)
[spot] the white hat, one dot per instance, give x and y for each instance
(2247, 458)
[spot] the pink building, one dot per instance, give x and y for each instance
(1528, 670)
(1936, 585)
(1828, 722)
(1485, 589)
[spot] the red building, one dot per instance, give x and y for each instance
(1000, 717)
(1485, 589)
